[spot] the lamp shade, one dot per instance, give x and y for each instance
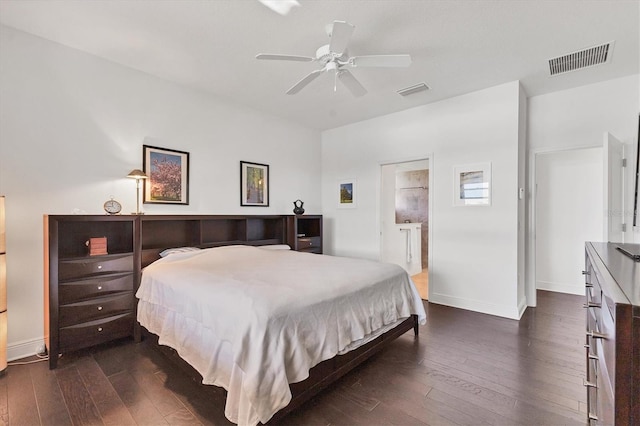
(137, 174)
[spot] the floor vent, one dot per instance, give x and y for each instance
(585, 58)
(413, 89)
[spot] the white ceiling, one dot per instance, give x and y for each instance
(457, 46)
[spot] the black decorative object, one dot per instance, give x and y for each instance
(297, 207)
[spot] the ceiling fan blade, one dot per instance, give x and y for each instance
(351, 83)
(306, 80)
(340, 35)
(284, 57)
(391, 61)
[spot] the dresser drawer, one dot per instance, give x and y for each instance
(73, 291)
(96, 332)
(311, 244)
(87, 310)
(87, 266)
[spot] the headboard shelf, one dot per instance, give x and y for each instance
(159, 232)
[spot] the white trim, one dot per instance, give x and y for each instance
(505, 311)
(561, 287)
(24, 349)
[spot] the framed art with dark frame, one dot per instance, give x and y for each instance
(168, 175)
(254, 184)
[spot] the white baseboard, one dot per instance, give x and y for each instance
(24, 349)
(561, 287)
(511, 312)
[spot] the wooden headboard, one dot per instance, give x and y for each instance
(159, 232)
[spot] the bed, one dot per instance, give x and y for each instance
(257, 320)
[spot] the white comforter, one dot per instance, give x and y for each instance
(253, 320)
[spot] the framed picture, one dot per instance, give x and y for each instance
(254, 184)
(347, 194)
(168, 175)
(472, 185)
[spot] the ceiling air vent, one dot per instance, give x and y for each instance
(585, 58)
(413, 89)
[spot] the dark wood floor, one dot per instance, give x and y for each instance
(465, 368)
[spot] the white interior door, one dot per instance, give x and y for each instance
(613, 189)
(568, 212)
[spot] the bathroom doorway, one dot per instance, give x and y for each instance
(405, 219)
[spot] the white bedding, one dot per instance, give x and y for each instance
(254, 320)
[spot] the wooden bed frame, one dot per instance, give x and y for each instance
(161, 232)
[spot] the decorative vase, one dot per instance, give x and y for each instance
(297, 207)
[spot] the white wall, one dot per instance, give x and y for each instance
(72, 126)
(475, 249)
(579, 117)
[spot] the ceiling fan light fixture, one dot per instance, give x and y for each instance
(416, 88)
(281, 7)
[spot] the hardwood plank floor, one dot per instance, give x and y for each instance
(465, 368)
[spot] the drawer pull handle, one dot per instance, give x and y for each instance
(99, 266)
(592, 356)
(587, 384)
(99, 308)
(596, 335)
(99, 329)
(99, 287)
(588, 285)
(592, 305)
(585, 272)
(593, 417)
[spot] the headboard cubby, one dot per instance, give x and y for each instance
(159, 232)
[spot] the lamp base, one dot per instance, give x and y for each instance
(138, 213)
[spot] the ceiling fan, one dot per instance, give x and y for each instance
(334, 57)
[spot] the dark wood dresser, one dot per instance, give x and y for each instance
(88, 299)
(612, 334)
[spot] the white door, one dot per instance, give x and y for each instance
(568, 212)
(613, 189)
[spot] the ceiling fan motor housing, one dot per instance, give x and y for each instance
(324, 55)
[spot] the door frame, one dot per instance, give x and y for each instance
(530, 267)
(431, 167)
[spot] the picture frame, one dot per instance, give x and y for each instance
(254, 184)
(347, 195)
(472, 185)
(167, 173)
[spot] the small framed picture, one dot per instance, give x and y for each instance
(254, 184)
(168, 175)
(472, 185)
(347, 194)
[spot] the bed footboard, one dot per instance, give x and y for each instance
(320, 376)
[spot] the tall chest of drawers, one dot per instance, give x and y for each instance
(612, 344)
(89, 299)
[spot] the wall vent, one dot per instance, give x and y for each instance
(580, 59)
(413, 89)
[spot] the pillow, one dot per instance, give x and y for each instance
(275, 247)
(169, 251)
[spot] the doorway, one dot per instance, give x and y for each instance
(405, 219)
(568, 211)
